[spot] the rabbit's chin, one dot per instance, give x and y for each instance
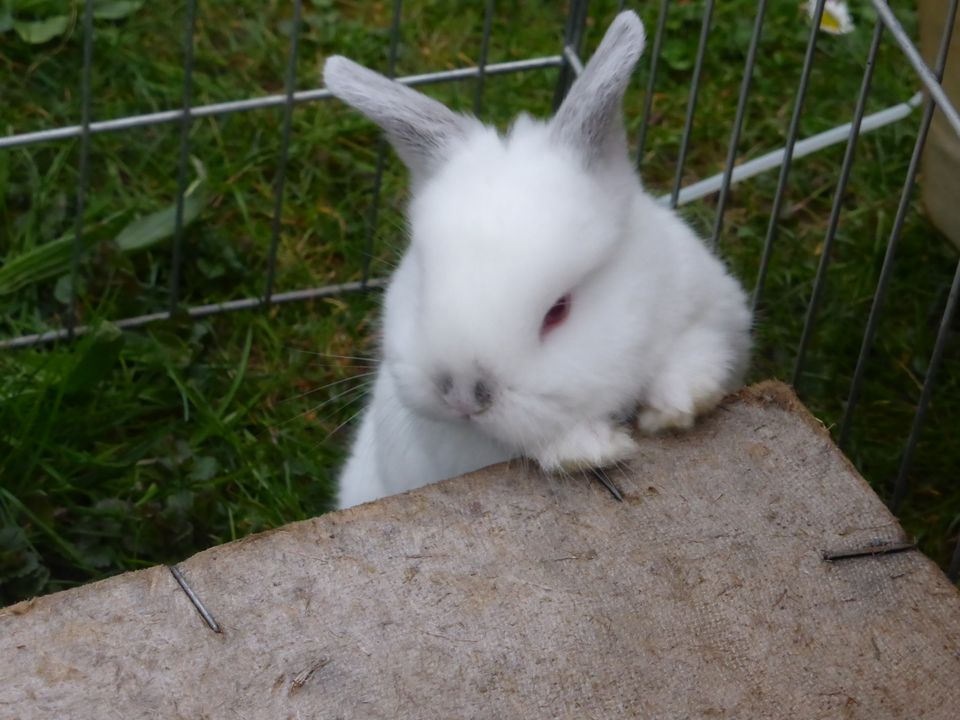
(540, 426)
(555, 443)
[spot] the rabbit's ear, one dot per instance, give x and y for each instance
(419, 128)
(590, 119)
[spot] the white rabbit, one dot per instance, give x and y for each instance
(545, 300)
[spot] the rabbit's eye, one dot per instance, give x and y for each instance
(556, 314)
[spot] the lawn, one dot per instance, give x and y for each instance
(122, 450)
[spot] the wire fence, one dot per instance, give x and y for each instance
(567, 62)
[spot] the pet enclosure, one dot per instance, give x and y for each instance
(740, 167)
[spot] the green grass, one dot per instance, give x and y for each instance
(119, 451)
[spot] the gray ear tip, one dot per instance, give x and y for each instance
(628, 27)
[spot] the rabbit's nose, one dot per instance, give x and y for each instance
(467, 397)
(482, 394)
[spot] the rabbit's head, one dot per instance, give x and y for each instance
(512, 308)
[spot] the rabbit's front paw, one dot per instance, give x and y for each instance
(652, 420)
(676, 400)
(586, 446)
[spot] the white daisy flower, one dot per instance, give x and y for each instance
(836, 16)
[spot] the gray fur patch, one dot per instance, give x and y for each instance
(419, 128)
(590, 119)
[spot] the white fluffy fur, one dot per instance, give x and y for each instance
(501, 227)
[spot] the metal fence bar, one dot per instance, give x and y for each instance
(573, 60)
(692, 101)
(263, 102)
(873, 319)
(563, 79)
(200, 311)
(787, 157)
(373, 213)
(83, 171)
(484, 52)
(703, 188)
(738, 121)
(281, 179)
(930, 79)
(775, 158)
(580, 28)
(183, 154)
(572, 38)
(848, 155)
(651, 80)
(936, 357)
(953, 572)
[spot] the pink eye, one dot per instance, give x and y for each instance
(556, 314)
